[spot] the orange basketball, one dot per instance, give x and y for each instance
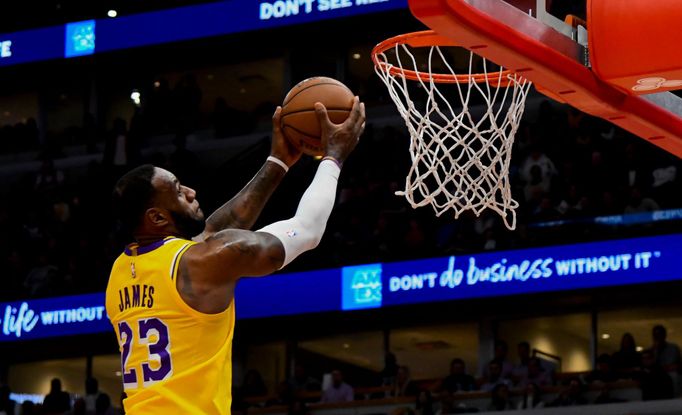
(299, 121)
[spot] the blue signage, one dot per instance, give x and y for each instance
(80, 39)
(361, 287)
(52, 317)
(558, 268)
(32, 45)
(179, 24)
(626, 219)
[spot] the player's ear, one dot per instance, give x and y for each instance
(157, 217)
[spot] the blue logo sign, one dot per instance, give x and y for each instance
(53, 317)
(80, 39)
(361, 287)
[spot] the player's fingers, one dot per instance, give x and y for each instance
(362, 130)
(359, 125)
(362, 117)
(322, 115)
(277, 119)
(355, 111)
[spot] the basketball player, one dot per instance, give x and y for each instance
(170, 296)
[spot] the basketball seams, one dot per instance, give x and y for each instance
(284, 104)
(309, 110)
(284, 128)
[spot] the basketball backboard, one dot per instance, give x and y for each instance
(620, 67)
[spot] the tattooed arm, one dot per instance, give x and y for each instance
(241, 211)
(209, 270)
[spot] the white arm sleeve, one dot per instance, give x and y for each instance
(304, 231)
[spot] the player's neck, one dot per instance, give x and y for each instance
(143, 240)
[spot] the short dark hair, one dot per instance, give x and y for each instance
(133, 195)
(661, 329)
(457, 360)
(604, 358)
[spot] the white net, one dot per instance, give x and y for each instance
(461, 132)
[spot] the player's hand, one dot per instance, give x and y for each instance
(281, 147)
(339, 140)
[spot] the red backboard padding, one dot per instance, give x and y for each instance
(636, 45)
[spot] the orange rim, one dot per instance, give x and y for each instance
(429, 38)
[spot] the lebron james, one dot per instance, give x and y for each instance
(170, 295)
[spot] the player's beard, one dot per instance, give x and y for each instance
(187, 226)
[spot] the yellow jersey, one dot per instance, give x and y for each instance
(175, 360)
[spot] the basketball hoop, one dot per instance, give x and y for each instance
(460, 153)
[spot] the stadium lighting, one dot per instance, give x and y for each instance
(135, 96)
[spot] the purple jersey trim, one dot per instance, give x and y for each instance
(147, 248)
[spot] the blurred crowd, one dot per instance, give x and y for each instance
(61, 402)
(526, 381)
(533, 382)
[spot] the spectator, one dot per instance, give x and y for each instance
(49, 179)
(283, 396)
(639, 203)
(627, 359)
(43, 279)
(653, 379)
(536, 185)
(458, 380)
(29, 408)
(605, 397)
(521, 369)
(494, 376)
(501, 352)
(103, 405)
(542, 177)
(499, 400)
(403, 385)
(79, 408)
(183, 162)
(424, 405)
(603, 373)
(187, 97)
(338, 391)
(7, 405)
(253, 385)
(117, 147)
(535, 374)
(572, 395)
(390, 369)
(298, 407)
(91, 393)
(57, 401)
(532, 398)
(665, 183)
(667, 354)
(302, 382)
